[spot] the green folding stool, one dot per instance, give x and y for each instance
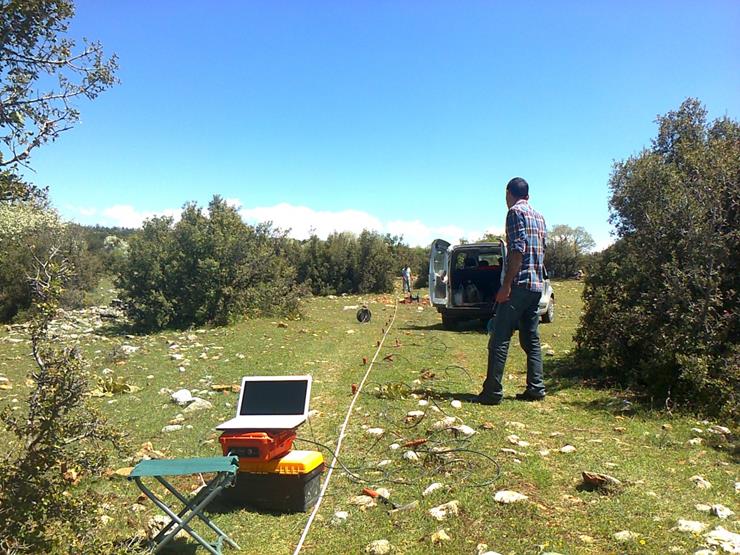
(225, 469)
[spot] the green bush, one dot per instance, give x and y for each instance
(28, 232)
(206, 268)
(346, 263)
(661, 304)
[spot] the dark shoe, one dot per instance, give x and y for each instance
(529, 396)
(485, 400)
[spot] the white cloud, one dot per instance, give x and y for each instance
(125, 215)
(302, 221)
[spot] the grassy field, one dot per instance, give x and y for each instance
(611, 432)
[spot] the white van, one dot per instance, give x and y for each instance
(464, 280)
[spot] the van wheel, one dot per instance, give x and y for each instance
(448, 323)
(549, 316)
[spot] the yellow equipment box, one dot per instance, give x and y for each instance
(294, 462)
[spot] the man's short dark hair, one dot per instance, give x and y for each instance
(518, 187)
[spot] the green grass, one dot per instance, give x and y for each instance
(655, 463)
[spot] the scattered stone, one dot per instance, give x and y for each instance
(384, 462)
(415, 415)
(720, 537)
(423, 402)
(350, 332)
(549, 353)
(178, 419)
(700, 482)
(383, 492)
(598, 480)
(155, 524)
(516, 425)
(625, 536)
(439, 537)
(508, 496)
(363, 501)
(198, 404)
(586, 539)
(128, 349)
(182, 397)
(703, 508)
(695, 441)
(697, 430)
(378, 547)
(375, 432)
(340, 517)
(447, 422)
(172, 428)
(737, 487)
(720, 511)
(455, 405)
(482, 549)
(567, 449)
(412, 456)
(431, 489)
(464, 430)
(691, 526)
(544, 452)
(446, 510)
(719, 430)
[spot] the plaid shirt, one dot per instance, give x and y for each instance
(526, 233)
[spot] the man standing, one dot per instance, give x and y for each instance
(406, 272)
(518, 298)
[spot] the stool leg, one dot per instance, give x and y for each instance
(220, 485)
(181, 523)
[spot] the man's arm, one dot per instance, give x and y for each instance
(515, 263)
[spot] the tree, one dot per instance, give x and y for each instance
(41, 75)
(566, 249)
(661, 303)
(208, 268)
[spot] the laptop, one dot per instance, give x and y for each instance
(271, 403)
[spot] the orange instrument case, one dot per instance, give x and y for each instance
(256, 446)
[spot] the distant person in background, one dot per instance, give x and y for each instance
(518, 297)
(406, 274)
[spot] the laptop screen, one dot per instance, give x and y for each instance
(277, 397)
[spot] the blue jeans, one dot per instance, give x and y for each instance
(521, 311)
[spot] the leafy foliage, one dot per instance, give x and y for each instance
(206, 268)
(661, 303)
(34, 54)
(55, 444)
(347, 263)
(28, 233)
(567, 248)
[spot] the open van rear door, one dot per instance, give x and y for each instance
(438, 267)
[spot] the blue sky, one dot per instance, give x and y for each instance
(406, 117)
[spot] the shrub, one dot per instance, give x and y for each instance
(55, 445)
(206, 268)
(661, 303)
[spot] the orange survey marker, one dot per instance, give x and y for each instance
(257, 446)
